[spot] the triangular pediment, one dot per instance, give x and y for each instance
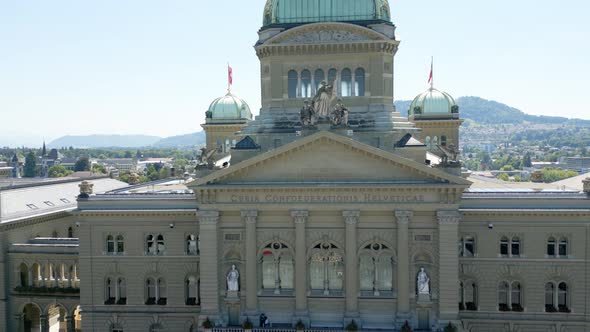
(325, 158)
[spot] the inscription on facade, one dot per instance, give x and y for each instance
(352, 198)
(422, 238)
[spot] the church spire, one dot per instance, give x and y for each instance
(44, 153)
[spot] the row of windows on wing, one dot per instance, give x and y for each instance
(511, 296)
(432, 142)
(49, 276)
(305, 85)
(155, 244)
(153, 328)
(511, 247)
(326, 269)
(155, 291)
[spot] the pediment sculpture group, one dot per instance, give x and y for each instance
(422, 282)
(321, 108)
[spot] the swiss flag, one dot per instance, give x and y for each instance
(431, 76)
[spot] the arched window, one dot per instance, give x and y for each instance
(233, 143)
(151, 292)
(70, 232)
(551, 244)
(110, 244)
(116, 328)
(376, 269)
(468, 295)
(332, 76)
(155, 245)
(346, 83)
(515, 247)
(122, 291)
(516, 296)
(435, 141)
(162, 298)
(120, 244)
(111, 292)
(503, 293)
(227, 145)
(293, 80)
(428, 142)
(192, 245)
(192, 290)
(277, 268)
(563, 252)
(326, 268)
(318, 78)
(443, 140)
(306, 84)
(24, 275)
(467, 246)
(161, 245)
(550, 297)
(563, 297)
(359, 82)
(151, 245)
(504, 246)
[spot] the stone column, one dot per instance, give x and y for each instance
(403, 265)
(70, 324)
(44, 320)
(351, 218)
(209, 264)
(299, 218)
(249, 218)
(448, 265)
(20, 322)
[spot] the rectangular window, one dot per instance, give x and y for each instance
(515, 249)
(551, 249)
(65, 200)
(48, 203)
(32, 206)
(563, 249)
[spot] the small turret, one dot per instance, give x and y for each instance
(86, 189)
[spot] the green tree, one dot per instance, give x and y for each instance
(527, 162)
(507, 168)
(504, 177)
(83, 164)
(58, 171)
(30, 170)
(99, 169)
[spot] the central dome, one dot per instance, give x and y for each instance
(279, 12)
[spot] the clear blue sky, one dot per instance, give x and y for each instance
(153, 67)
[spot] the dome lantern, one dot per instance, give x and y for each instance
(433, 102)
(292, 12)
(228, 108)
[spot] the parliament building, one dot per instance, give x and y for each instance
(328, 207)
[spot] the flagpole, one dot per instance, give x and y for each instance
(432, 72)
(228, 84)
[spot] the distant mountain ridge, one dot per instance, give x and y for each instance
(128, 141)
(485, 111)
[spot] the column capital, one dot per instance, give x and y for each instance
(300, 216)
(208, 217)
(404, 216)
(249, 216)
(449, 217)
(351, 217)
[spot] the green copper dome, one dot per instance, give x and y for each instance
(229, 107)
(278, 12)
(433, 102)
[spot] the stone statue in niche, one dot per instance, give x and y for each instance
(339, 115)
(423, 283)
(192, 245)
(233, 277)
(308, 115)
(323, 99)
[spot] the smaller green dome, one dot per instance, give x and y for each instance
(229, 107)
(433, 102)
